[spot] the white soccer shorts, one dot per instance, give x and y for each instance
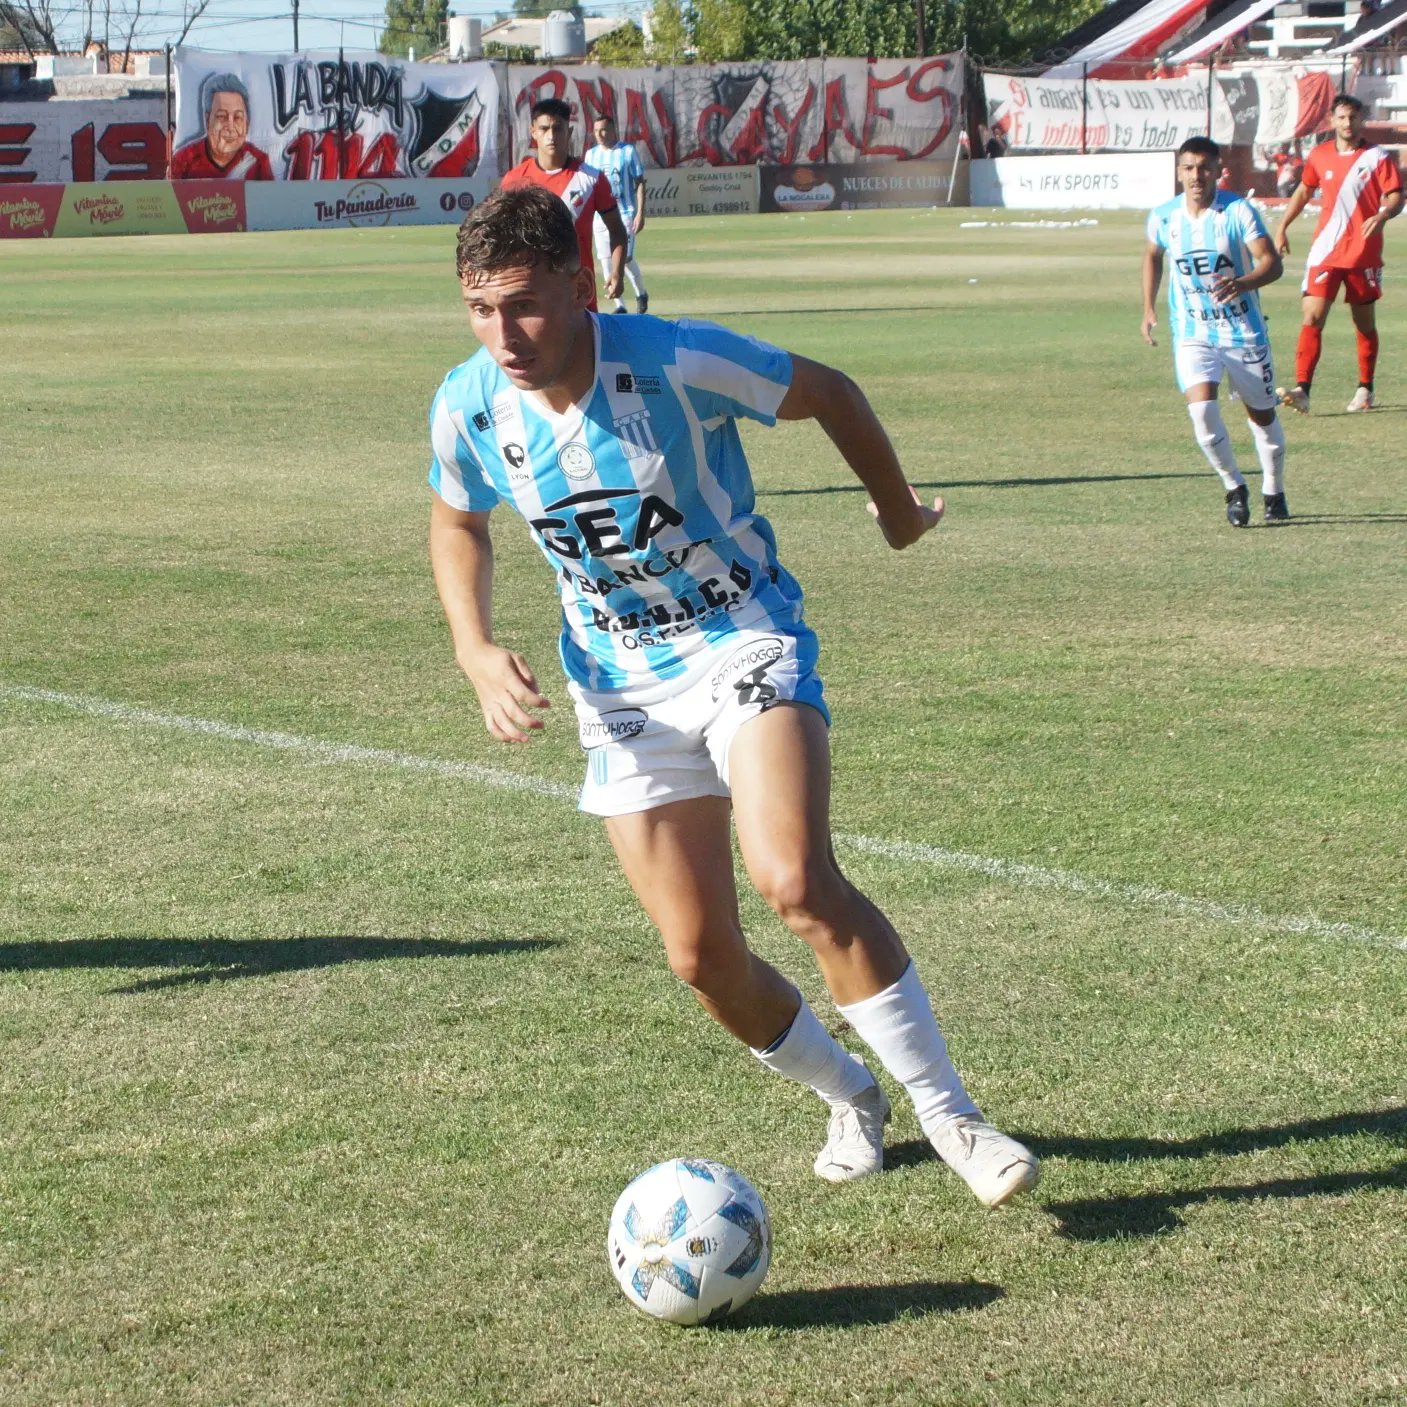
(602, 236)
(669, 740)
(1249, 369)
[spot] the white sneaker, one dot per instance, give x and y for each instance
(1296, 397)
(855, 1137)
(1362, 400)
(994, 1166)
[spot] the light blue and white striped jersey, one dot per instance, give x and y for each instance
(639, 496)
(1201, 249)
(620, 165)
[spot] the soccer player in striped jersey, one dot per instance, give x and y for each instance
(1218, 254)
(691, 667)
(1360, 191)
(620, 164)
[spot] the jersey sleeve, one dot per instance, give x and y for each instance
(455, 471)
(1156, 229)
(1389, 175)
(635, 173)
(1311, 176)
(1248, 222)
(729, 375)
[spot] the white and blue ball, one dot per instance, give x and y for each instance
(689, 1241)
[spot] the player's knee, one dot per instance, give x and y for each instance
(709, 964)
(804, 893)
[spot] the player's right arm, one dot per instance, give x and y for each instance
(1296, 204)
(1152, 280)
(461, 557)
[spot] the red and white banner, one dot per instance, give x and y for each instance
(54, 142)
(1141, 36)
(324, 116)
(1262, 107)
(765, 112)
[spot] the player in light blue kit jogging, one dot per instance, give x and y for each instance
(690, 666)
(1220, 254)
(620, 164)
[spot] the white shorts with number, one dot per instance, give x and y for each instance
(602, 236)
(1249, 369)
(669, 741)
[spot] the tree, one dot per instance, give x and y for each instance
(414, 24)
(621, 48)
(32, 23)
(999, 31)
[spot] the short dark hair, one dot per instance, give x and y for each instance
(1346, 100)
(1199, 146)
(521, 225)
(550, 107)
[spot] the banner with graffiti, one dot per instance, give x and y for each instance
(328, 116)
(108, 140)
(1264, 106)
(763, 112)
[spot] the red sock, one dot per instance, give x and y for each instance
(1307, 351)
(1367, 356)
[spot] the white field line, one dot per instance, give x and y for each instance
(1008, 871)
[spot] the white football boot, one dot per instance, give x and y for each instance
(994, 1166)
(1362, 400)
(855, 1137)
(1294, 397)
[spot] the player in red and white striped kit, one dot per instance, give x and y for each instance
(1360, 191)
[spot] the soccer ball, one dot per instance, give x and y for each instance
(689, 1241)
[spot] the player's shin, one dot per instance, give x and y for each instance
(1210, 432)
(1270, 451)
(808, 1053)
(1307, 350)
(1367, 357)
(899, 1026)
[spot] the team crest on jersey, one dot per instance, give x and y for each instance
(576, 461)
(637, 435)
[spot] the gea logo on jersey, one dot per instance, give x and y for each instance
(1203, 262)
(587, 524)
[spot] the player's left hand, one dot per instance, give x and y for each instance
(899, 538)
(1373, 224)
(1225, 289)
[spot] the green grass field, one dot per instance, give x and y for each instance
(329, 1034)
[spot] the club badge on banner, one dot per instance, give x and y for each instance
(324, 116)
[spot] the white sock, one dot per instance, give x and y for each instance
(808, 1053)
(1270, 450)
(637, 279)
(899, 1026)
(1209, 430)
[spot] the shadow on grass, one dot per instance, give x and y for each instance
(987, 483)
(1304, 520)
(843, 1306)
(227, 959)
(1155, 1213)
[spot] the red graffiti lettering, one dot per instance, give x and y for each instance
(835, 122)
(13, 153)
(552, 84)
(792, 129)
(594, 100)
(637, 125)
(750, 145)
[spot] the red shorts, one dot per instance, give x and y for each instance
(1359, 285)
